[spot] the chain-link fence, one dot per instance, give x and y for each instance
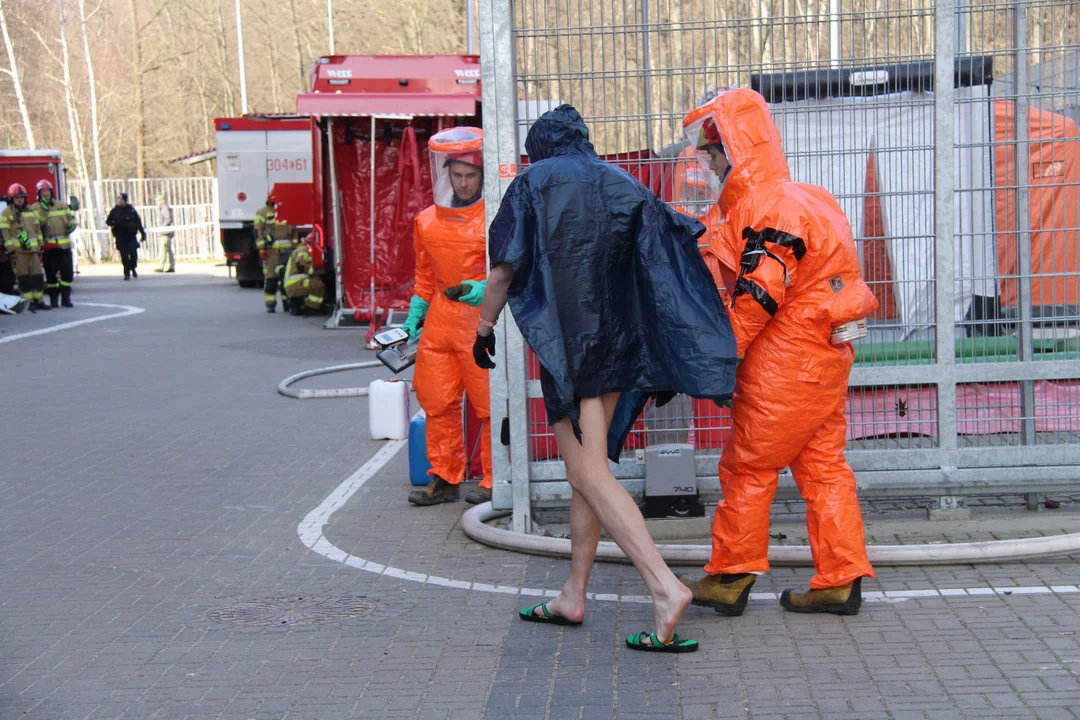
(966, 221)
(193, 202)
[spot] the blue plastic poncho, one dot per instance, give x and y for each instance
(609, 289)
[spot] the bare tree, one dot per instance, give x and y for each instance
(95, 127)
(140, 106)
(13, 73)
(66, 84)
(296, 36)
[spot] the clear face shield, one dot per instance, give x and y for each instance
(697, 189)
(457, 166)
(703, 135)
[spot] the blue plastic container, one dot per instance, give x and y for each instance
(418, 461)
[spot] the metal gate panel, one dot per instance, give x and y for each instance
(967, 222)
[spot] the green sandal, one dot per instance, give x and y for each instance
(648, 642)
(530, 614)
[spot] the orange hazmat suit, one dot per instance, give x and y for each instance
(451, 247)
(784, 252)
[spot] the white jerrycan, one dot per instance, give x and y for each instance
(388, 409)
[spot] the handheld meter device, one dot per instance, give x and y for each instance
(391, 337)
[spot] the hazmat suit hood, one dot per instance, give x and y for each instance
(561, 131)
(752, 143)
(609, 288)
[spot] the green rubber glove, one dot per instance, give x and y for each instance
(475, 296)
(418, 308)
(24, 240)
(727, 403)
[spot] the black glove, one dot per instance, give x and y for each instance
(482, 349)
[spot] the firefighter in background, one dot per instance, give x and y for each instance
(57, 223)
(21, 232)
(303, 286)
(274, 238)
(451, 255)
(785, 253)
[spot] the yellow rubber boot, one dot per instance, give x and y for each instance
(726, 594)
(845, 600)
(435, 492)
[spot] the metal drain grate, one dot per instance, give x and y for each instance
(307, 610)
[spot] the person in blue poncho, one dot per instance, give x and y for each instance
(609, 290)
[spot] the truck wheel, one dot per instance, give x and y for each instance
(249, 273)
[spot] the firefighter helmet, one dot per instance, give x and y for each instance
(15, 190)
(44, 185)
(271, 199)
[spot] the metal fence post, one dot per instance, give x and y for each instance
(944, 228)
(508, 387)
(1023, 229)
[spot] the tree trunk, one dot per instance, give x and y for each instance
(69, 100)
(268, 38)
(140, 109)
(16, 80)
(95, 127)
(299, 54)
(223, 62)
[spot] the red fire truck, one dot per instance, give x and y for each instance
(257, 154)
(372, 116)
(28, 167)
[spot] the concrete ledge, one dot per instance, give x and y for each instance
(950, 514)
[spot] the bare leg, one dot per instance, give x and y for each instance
(584, 537)
(587, 466)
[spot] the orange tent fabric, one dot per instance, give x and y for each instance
(876, 268)
(1054, 176)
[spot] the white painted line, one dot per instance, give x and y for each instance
(911, 593)
(126, 310)
(1037, 590)
(310, 530)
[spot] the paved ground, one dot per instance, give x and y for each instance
(151, 476)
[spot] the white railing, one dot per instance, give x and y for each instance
(193, 202)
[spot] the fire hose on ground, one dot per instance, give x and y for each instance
(397, 354)
(322, 394)
(474, 523)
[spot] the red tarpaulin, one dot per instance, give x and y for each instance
(400, 165)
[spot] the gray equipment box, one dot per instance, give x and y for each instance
(670, 470)
(670, 467)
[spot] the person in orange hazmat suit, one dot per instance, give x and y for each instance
(785, 254)
(451, 272)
